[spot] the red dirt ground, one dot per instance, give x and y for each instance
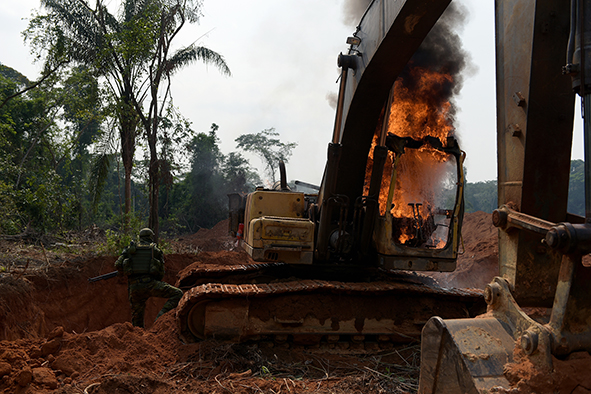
(61, 334)
(479, 261)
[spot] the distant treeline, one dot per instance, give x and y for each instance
(482, 196)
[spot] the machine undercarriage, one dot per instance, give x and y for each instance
(278, 302)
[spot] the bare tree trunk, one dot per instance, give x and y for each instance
(154, 180)
(127, 189)
(152, 135)
(128, 129)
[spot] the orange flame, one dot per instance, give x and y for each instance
(417, 113)
(421, 173)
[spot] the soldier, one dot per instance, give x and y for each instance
(143, 263)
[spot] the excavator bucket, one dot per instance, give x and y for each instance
(464, 355)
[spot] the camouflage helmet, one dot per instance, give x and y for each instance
(146, 233)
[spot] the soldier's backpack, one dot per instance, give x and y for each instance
(141, 261)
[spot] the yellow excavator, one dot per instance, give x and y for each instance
(343, 263)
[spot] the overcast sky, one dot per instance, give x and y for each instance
(282, 54)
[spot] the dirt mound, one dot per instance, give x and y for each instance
(123, 358)
(63, 334)
(478, 262)
(571, 375)
(214, 239)
(16, 302)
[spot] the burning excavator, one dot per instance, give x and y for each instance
(341, 265)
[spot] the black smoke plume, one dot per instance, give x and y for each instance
(353, 10)
(442, 51)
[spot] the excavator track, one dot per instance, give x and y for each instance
(278, 271)
(242, 273)
(311, 311)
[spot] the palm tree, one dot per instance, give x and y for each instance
(162, 66)
(132, 53)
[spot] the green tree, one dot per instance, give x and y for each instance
(83, 117)
(576, 188)
(133, 52)
(481, 196)
(20, 120)
(200, 197)
(160, 26)
(239, 176)
(14, 115)
(92, 37)
(175, 131)
(268, 147)
(45, 133)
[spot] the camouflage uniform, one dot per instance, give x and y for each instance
(144, 285)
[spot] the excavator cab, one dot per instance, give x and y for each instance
(420, 205)
(392, 192)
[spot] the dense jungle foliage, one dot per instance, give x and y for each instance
(52, 137)
(61, 167)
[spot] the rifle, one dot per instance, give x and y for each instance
(104, 276)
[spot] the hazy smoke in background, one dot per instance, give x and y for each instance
(442, 49)
(332, 99)
(442, 52)
(353, 10)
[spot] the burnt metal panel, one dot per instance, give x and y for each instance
(390, 32)
(535, 106)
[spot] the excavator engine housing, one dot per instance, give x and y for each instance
(276, 228)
